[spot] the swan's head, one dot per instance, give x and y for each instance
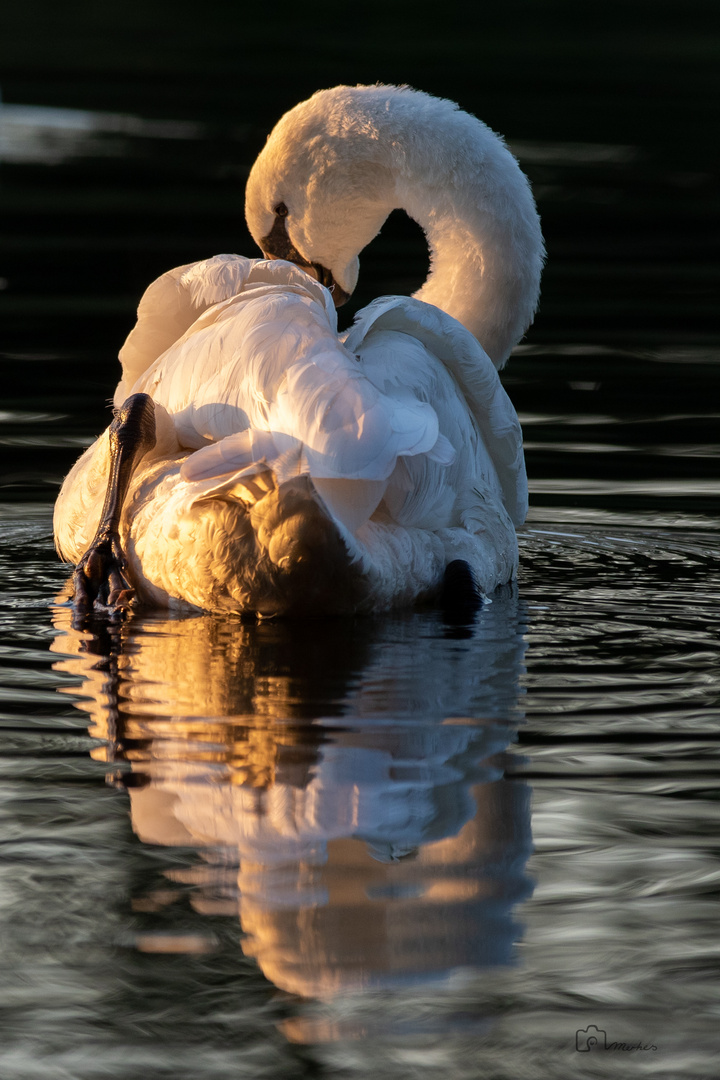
(321, 187)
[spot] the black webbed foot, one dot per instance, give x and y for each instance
(100, 576)
(460, 597)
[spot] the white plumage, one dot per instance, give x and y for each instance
(293, 470)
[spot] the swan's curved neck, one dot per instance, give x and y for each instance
(462, 185)
(341, 161)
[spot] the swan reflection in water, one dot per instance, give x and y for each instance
(345, 802)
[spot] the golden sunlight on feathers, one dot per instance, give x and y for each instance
(296, 471)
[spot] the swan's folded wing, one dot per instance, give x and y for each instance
(171, 304)
(246, 449)
(269, 359)
(349, 428)
(475, 374)
(234, 468)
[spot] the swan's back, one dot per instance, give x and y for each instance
(359, 460)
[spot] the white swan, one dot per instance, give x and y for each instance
(260, 464)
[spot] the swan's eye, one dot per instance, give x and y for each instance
(281, 210)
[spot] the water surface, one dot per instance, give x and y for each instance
(392, 846)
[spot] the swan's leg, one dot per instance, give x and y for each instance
(100, 574)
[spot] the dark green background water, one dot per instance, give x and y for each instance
(579, 710)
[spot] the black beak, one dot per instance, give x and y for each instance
(278, 245)
(325, 278)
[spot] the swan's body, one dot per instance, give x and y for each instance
(293, 471)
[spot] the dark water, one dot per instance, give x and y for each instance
(390, 846)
